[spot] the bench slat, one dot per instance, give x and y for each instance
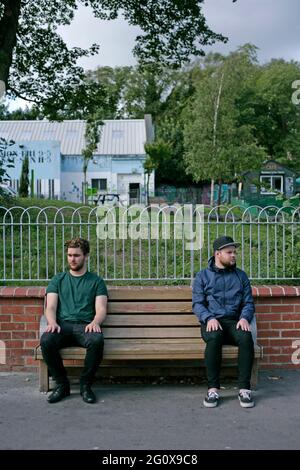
(150, 319)
(134, 293)
(151, 307)
(152, 332)
(131, 349)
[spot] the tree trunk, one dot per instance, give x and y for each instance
(219, 194)
(147, 191)
(212, 190)
(84, 199)
(8, 36)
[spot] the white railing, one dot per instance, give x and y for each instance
(139, 243)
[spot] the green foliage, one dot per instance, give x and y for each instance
(24, 179)
(218, 144)
(92, 136)
(5, 163)
(50, 77)
(276, 119)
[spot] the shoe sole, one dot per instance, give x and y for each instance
(209, 405)
(246, 405)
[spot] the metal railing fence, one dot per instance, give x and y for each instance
(154, 243)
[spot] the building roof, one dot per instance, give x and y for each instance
(119, 137)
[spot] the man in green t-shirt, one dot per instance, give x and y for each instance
(76, 308)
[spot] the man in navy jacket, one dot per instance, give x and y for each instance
(223, 303)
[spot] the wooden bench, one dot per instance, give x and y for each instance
(146, 324)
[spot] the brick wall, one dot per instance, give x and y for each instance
(278, 320)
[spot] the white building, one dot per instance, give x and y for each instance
(56, 163)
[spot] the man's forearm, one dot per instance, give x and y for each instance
(100, 317)
(50, 315)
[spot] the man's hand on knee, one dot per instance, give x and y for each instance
(213, 325)
(93, 327)
(52, 327)
(243, 324)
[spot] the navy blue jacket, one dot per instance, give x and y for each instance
(221, 293)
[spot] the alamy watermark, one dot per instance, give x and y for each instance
(296, 94)
(296, 354)
(2, 91)
(153, 222)
(2, 352)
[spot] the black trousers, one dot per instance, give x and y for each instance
(213, 352)
(72, 334)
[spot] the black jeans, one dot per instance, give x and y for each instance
(213, 352)
(72, 334)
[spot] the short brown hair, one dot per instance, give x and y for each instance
(81, 243)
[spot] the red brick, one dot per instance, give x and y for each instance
(14, 344)
(264, 291)
(12, 326)
(280, 358)
(24, 318)
(31, 343)
(291, 300)
(269, 300)
(282, 325)
(282, 308)
(268, 334)
(21, 352)
(5, 318)
(24, 334)
(263, 325)
(277, 291)
(5, 334)
(297, 325)
(291, 316)
(30, 361)
(7, 291)
(39, 310)
(290, 291)
(21, 291)
(269, 316)
(17, 361)
(262, 308)
(264, 341)
(290, 334)
(280, 342)
(272, 350)
(13, 309)
(33, 326)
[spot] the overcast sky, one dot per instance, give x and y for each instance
(272, 25)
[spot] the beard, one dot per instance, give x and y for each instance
(76, 267)
(228, 264)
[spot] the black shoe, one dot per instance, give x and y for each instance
(61, 391)
(211, 400)
(87, 394)
(245, 398)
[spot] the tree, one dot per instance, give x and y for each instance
(5, 162)
(35, 63)
(92, 136)
(276, 118)
(218, 144)
(156, 153)
(24, 179)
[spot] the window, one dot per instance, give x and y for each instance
(271, 184)
(99, 184)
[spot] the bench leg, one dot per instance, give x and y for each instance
(43, 377)
(254, 374)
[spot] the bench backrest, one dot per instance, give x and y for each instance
(150, 312)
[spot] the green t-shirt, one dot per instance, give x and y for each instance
(76, 295)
